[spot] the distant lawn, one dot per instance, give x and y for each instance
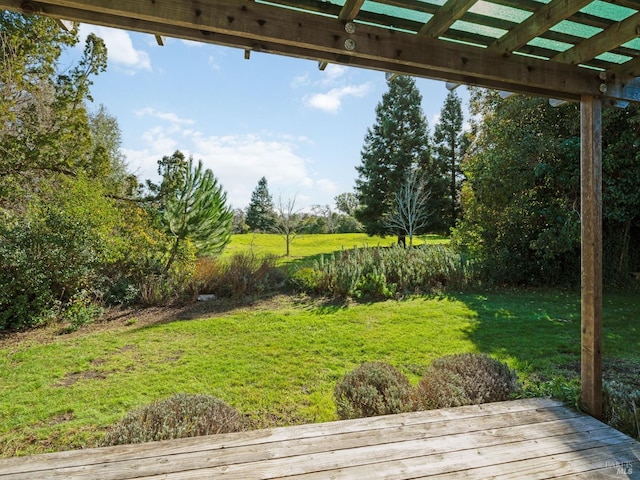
(304, 246)
(278, 360)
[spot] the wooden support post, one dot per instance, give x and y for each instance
(591, 262)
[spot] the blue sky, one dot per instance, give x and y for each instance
(270, 116)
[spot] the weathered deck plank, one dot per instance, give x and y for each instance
(532, 438)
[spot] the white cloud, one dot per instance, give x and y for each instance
(333, 72)
(327, 186)
(120, 49)
(167, 116)
(300, 80)
(331, 101)
(238, 161)
(192, 43)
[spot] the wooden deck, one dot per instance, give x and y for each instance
(523, 439)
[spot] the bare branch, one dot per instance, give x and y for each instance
(410, 212)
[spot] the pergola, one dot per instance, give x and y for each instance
(571, 50)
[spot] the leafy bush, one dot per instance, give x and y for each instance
(49, 255)
(621, 405)
(177, 417)
(465, 379)
(372, 389)
(561, 388)
(384, 272)
(79, 311)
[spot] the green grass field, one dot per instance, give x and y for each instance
(306, 246)
(278, 361)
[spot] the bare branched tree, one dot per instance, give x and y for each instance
(288, 221)
(410, 212)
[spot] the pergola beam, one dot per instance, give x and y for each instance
(248, 25)
(350, 9)
(591, 258)
(539, 22)
(444, 17)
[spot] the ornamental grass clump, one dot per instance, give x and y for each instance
(465, 379)
(179, 416)
(621, 406)
(375, 273)
(372, 389)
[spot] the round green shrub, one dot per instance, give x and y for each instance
(465, 379)
(372, 389)
(179, 416)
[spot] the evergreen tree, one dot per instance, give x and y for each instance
(197, 210)
(261, 214)
(395, 145)
(450, 144)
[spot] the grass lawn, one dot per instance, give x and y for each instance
(311, 246)
(279, 359)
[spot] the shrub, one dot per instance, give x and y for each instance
(465, 379)
(179, 416)
(372, 389)
(382, 272)
(80, 311)
(621, 407)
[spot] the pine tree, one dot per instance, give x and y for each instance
(397, 144)
(197, 210)
(261, 215)
(450, 144)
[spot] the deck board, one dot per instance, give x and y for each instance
(532, 438)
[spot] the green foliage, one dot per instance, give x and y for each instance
(620, 401)
(383, 272)
(179, 416)
(465, 379)
(396, 144)
(522, 191)
(450, 144)
(53, 252)
(196, 210)
(347, 203)
(372, 389)
(261, 216)
(80, 311)
(45, 128)
(621, 405)
(521, 201)
(558, 387)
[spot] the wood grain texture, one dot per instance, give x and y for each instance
(532, 438)
(591, 259)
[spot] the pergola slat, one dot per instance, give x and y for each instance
(445, 17)
(539, 22)
(615, 35)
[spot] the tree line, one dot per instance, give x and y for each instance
(507, 190)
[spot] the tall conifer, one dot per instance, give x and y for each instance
(397, 144)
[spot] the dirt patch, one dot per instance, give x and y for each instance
(61, 418)
(71, 378)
